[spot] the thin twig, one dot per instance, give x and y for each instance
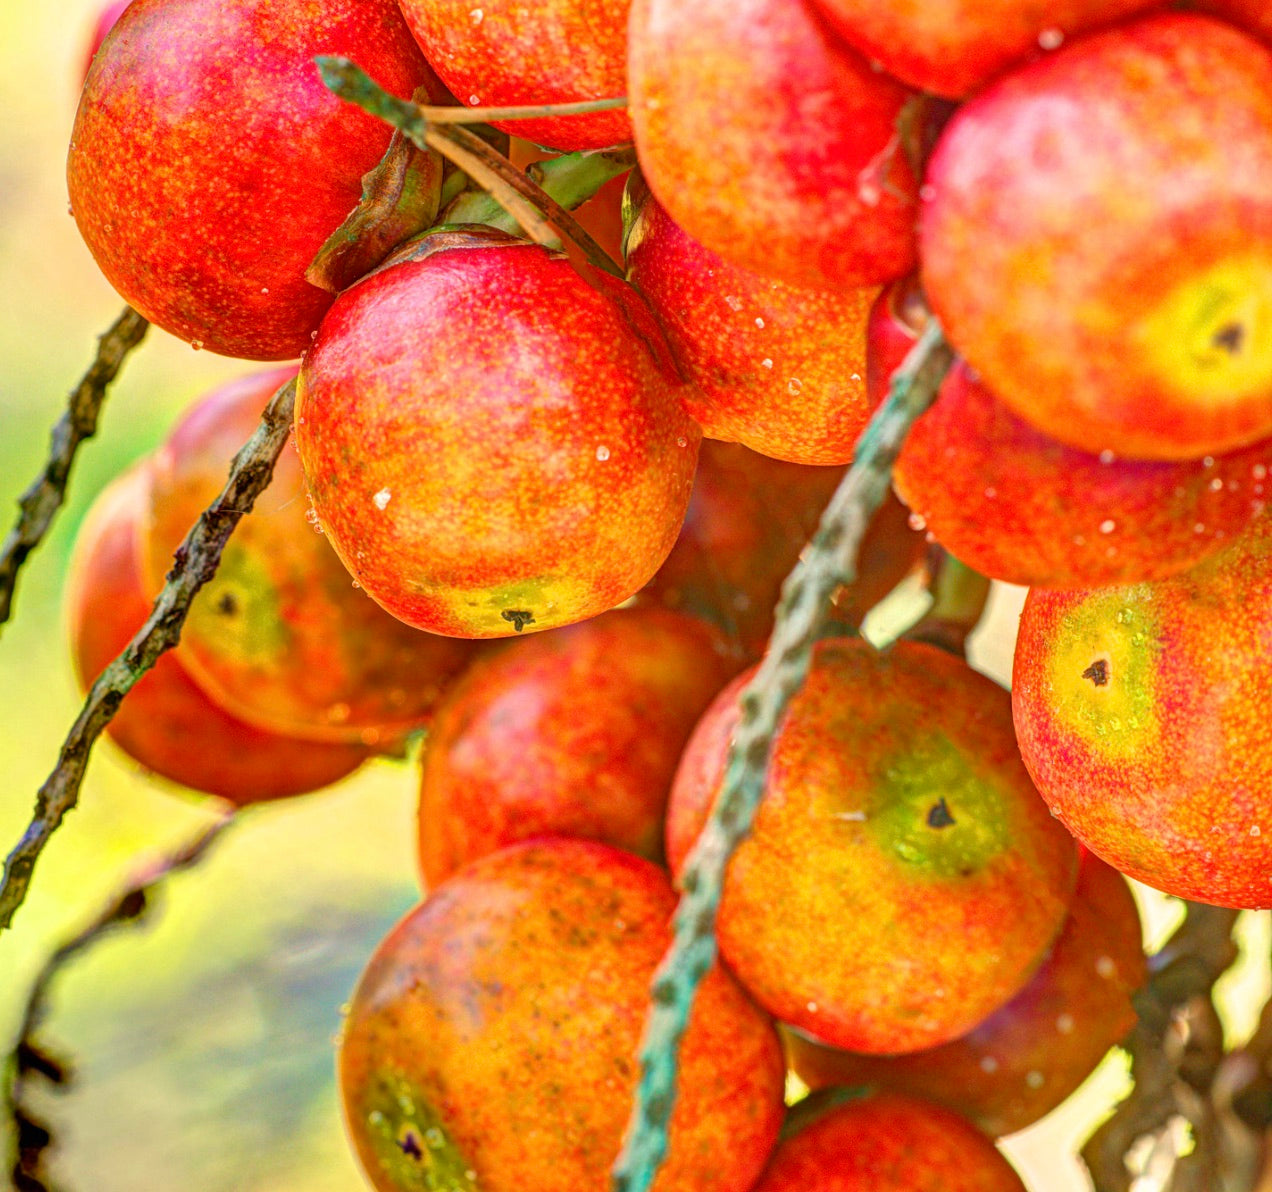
(29, 1059)
(197, 559)
(40, 503)
(829, 561)
(583, 107)
(538, 213)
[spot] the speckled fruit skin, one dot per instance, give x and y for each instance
(953, 47)
(280, 636)
(777, 368)
(495, 1032)
(1097, 239)
(571, 733)
(490, 441)
(1025, 1059)
(889, 1143)
(506, 53)
(1142, 715)
(1020, 506)
(209, 163)
(769, 143)
(902, 879)
(749, 518)
(108, 15)
(167, 724)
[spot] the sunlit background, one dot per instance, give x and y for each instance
(202, 1046)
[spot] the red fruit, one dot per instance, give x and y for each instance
(491, 442)
(1254, 16)
(492, 1040)
(571, 733)
(280, 635)
(106, 19)
(167, 724)
(888, 1143)
(208, 163)
(1098, 239)
(1017, 505)
(1026, 1058)
(1141, 714)
(902, 879)
(503, 54)
(771, 144)
(952, 47)
(777, 368)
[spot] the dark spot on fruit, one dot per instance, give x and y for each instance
(1098, 672)
(520, 618)
(227, 606)
(939, 816)
(1230, 337)
(410, 1145)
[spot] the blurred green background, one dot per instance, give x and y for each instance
(203, 1045)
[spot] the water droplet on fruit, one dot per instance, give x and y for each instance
(264, 289)
(794, 385)
(855, 377)
(917, 521)
(812, 1007)
(1105, 967)
(732, 303)
(766, 363)
(433, 1136)
(1199, 528)
(1107, 457)
(1255, 830)
(1051, 39)
(1216, 485)
(602, 453)
(991, 493)
(382, 498)
(1208, 462)
(1107, 526)
(475, 100)
(760, 324)
(1035, 1079)
(375, 1118)
(1259, 472)
(682, 442)
(988, 1065)
(1065, 1024)
(197, 344)
(476, 16)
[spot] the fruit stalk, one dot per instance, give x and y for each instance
(40, 503)
(829, 561)
(196, 562)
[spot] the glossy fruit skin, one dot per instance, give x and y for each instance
(1020, 506)
(209, 163)
(954, 47)
(505, 54)
(769, 143)
(280, 636)
(930, 878)
(571, 733)
(888, 1143)
(1120, 190)
(1141, 714)
(498, 1025)
(1026, 1058)
(167, 724)
(557, 476)
(777, 368)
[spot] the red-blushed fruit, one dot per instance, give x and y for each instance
(208, 163)
(106, 19)
(505, 54)
(495, 1032)
(771, 144)
(1141, 713)
(1020, 506)
(888, 1143)
(494, 442)
(281, 636)
(777, 368)
(1097, 239)
(1254, 16)
(167, 724)
(953, 47)
(902, 879)
(1026, 1058)
(749, 518)
(571, 733)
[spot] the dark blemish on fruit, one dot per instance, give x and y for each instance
(1098, 672)
(520, 618)
(410, 1145)
(939, 816)
(227, 605)
(1231, 338)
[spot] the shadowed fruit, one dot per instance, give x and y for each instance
(902, 879)
(1020, 506)
(1142, 715)
(771, 144)
(1026, 1058)
(167, 724)
(280, 635)
(493, 1036)
(1097, 239)
(208, 163)
(572, 733)
(494, 443)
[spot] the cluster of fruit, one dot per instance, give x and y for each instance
(495, 438)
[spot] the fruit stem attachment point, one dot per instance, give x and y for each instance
(829, 560)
